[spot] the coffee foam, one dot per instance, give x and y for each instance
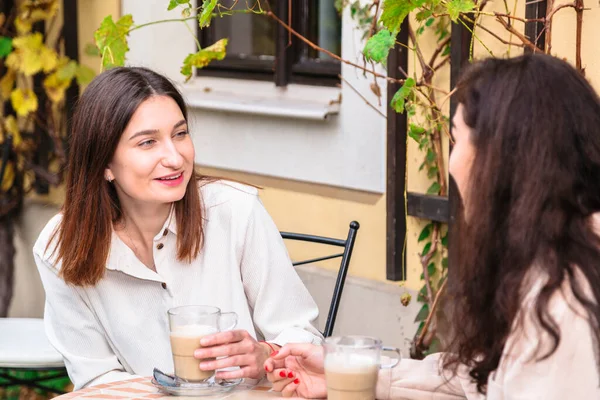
(349, 363)
(193, 330)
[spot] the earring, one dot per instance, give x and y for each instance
(108, 178)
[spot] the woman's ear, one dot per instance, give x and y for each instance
(108, 175)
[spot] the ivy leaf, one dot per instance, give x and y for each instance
(429, 22)
(395, 11)
(84, 75)
(7, 83)
(434, 188)
(379, 46)
(445, 240)
(431, 270)
(56, 87)
(5, 46)
(423, 313)
(426, 249)
(205, 16)
(67, 70)
(202, 58)
(31, 55)
(402, 94)
(172, 5)
(456, 7)
(23, 101)
(445, 262)
(430, 156)
(432, 172)
(425, 232)
(111, 39)
(423, 15)
(415, 132)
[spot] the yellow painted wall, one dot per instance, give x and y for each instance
(90, 14)
(323, 210)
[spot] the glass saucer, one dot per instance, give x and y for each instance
(210, 387)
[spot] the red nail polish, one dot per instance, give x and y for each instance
(297, 381)
(266, 368)
(291, 375)
(282, 374)
(273, 354)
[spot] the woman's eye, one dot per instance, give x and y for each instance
(146, 143)
(182, 133)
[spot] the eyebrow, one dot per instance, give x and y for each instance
(152, 131)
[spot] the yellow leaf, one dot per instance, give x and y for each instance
(56, 87)
(38, 10)
(8, 178)
(24, 101)
(23, 27)
(7, 83)
(49, 59)
(31, 55)
(202, 58)
(11, 126)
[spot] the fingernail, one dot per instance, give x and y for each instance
(282, 374)
(273, 354)
(297, 381)
(291, 375)
(266, 368)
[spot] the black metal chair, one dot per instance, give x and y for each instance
(348, 245)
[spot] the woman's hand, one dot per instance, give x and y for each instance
(297, 370)
(239, 348)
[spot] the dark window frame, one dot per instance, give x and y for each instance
(288, 65)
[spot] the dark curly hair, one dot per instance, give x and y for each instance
(535, 181)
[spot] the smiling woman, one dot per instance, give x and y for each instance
(141, 232)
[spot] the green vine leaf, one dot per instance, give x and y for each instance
(84, 75)
(415, 132)
(395, 11)
(379, 46)
(423, 313)
(422, 296)
(402, 94)
(174, 3)
(202, 58)
(111, 39)
(426, 249)
(457, 7)
(431, 270)
(445, 240)
(208, 6)
(445, 262)
(434, 188)
(425, 233)
(5, 46)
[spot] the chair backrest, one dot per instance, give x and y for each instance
(348, 245)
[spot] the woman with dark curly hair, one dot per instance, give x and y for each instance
(523, 296)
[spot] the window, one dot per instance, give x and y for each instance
(260, 48)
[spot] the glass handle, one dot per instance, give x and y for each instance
(227, 321)
(396, 361)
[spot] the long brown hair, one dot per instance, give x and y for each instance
(535, 182)
(91, 206)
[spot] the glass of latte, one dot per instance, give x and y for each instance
(351, 366)
(189, 324)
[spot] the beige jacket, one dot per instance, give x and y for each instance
(570, 373)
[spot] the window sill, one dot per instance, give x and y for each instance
(262, 98)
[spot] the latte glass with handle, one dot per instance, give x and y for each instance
(188, 325)
(352, 364)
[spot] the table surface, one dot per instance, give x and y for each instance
(23, 344)
(142, 388)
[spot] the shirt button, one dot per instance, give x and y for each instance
(164, 285)
(160, 246)
(166, 231)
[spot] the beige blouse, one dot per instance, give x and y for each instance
(570, 373)
(118, 328)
